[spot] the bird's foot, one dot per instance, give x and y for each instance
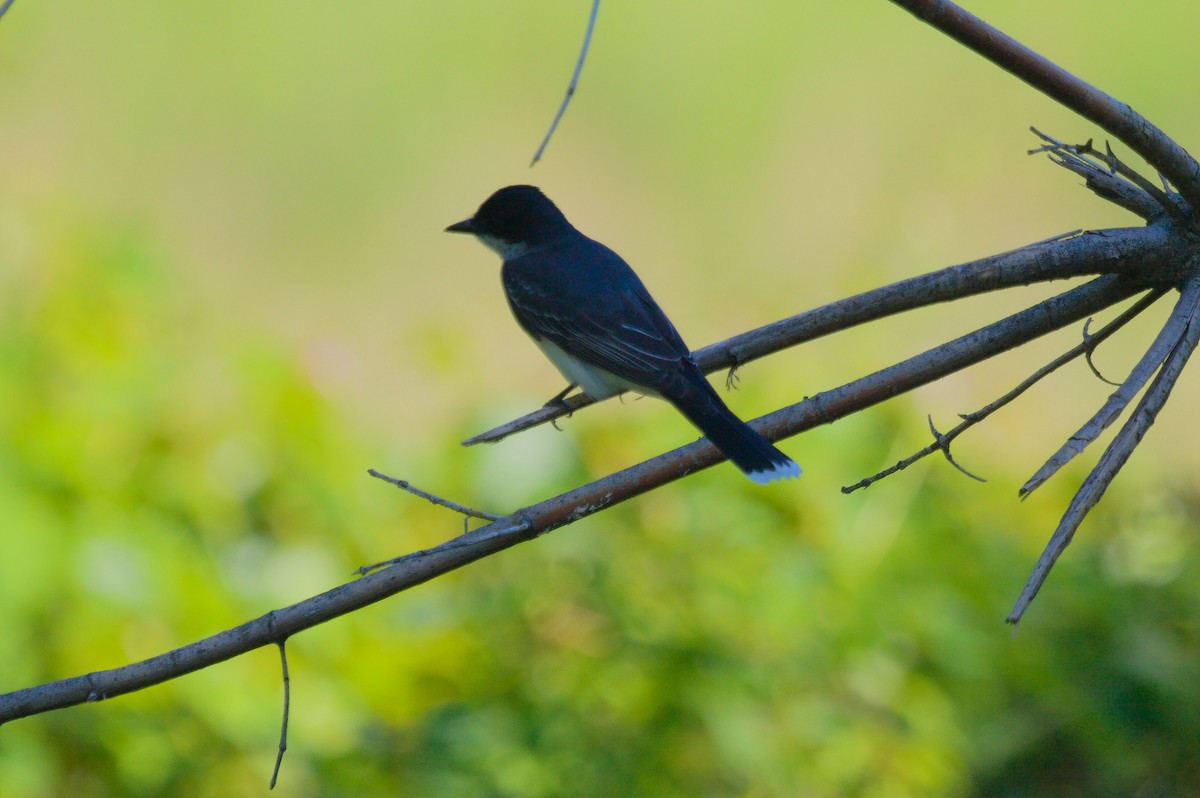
(559, 403)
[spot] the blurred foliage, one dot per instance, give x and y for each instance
(222, 298)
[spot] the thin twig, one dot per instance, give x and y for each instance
(1161, 195)
(562, 109)
(1074, 157)
(1166, 340)
(942, 442)
(1090, 349)
(1120, 120)
(1101, 181)
(1115, 456)
(435, 499)
(287, 707)
(1152, 253)
(4, 8)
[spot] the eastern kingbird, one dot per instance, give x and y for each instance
(596, 322)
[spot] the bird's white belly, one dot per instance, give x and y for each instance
(595, 382)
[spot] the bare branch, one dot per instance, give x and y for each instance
(1116, 454)
(1152, 253)
(4, 8)
(942, 441)
(1103, 182)
(1159, 150)
(1166, 341)
(430, 497)
(1075, 157)
(562, 109)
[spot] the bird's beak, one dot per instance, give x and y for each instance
(465, 226)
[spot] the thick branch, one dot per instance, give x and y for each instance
(525, 524)
(1159, 150)
(1149, 253)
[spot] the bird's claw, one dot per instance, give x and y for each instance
(559, 403)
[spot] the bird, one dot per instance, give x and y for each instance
(592, 317)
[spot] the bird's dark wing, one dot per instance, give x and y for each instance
(589, 303)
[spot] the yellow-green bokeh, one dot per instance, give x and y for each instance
(224, 294)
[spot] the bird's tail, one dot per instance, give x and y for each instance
(749, 451)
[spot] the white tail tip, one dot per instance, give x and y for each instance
(786, 470)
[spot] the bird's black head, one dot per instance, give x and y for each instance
(514, 219)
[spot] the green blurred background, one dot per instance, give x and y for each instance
(224, 294)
